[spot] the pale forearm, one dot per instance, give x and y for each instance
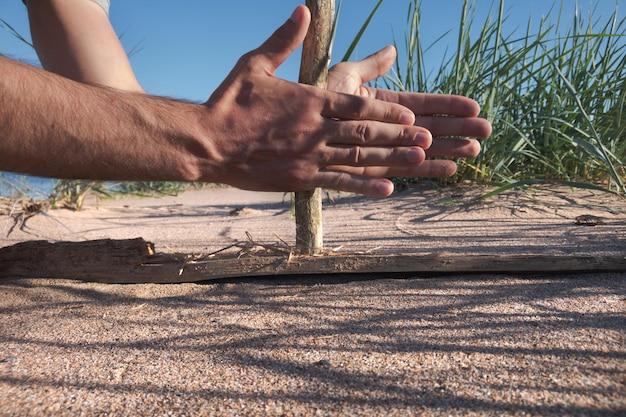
(75, 39)
(52, 126)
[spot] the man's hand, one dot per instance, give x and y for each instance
(444, 115)
(256, 131)
(270, 134)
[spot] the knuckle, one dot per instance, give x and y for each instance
(245, 58)
(406, 135)
(249, 61)
(301, 176)
(389, 113)
(363, 132)
(356, 155)
(244, 63)
(443, 170)
(357, 109)
(339, 182)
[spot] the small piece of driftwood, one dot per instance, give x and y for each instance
(135, 261)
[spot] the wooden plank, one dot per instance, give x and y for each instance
(134, 261)
(80, 260)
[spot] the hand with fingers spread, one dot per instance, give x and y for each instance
(256, 131)
(451, 119)
(276, 135)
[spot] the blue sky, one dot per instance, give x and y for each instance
(185, 48)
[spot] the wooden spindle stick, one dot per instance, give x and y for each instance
(314, 71)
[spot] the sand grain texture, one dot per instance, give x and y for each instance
(337, 344)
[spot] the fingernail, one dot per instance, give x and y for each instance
(389, 50)
(414, 156)
(296, 16)
(423, 140)
(407, 118)
(385, 188)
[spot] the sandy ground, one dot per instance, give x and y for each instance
(365, 344)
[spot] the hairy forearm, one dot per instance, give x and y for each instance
(55, 127)
(256, 131)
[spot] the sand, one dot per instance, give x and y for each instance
(334, 344)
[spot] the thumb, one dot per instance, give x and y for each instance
(286, 39)
(376, 64)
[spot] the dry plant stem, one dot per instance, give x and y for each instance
(314, 71)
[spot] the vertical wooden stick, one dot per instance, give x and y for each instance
(314, 71)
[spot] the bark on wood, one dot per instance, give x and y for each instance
(134, 261)
(309, 222)
(314, 71)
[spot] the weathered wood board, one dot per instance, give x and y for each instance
(135, 261)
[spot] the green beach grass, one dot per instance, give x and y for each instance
(555, 96)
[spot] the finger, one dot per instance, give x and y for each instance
(371, 180)
(345, 181)
(429, 169)
(350, 107)
(285, 40)
(428, 104)
(375, 65)
(358, 156)
(369, 133)
(455, 126)
(454, 147)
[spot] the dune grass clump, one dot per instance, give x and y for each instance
(555, 95)
(72, 193)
